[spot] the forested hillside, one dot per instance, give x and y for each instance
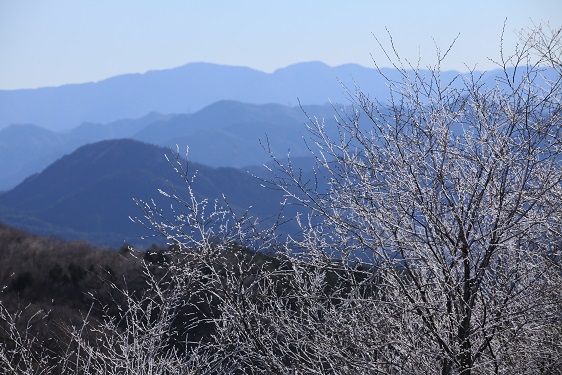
(223, 134)
(89, 194)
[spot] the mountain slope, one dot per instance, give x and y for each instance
(224, 134)
(26, 149)
(88, 194)
(233, 134)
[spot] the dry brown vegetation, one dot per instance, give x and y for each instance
(53, 284)
(63, 303)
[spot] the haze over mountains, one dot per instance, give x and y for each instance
(224, 134)
(222, 113)
(185, 89)
(89, 193)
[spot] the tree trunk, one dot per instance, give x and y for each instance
(465, 357)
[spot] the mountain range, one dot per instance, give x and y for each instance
(72, 157)
(191, 87)
(198, 105)
(223, 134)
(89, 193)
(185, 89)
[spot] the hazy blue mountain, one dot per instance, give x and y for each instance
(189, 88)
(223, 134)
(234, 134)
(88, 193)
(27, 149)
(91, 132)
(185, 89)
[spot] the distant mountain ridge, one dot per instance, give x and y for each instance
(223, 134)
(88, 194)
(184, 89)
(220, 112)
(191, 87)
(26, 148)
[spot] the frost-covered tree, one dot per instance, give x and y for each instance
(435, 247)
(450, 194)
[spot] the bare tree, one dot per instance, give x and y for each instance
(436, 247)
(450, 192)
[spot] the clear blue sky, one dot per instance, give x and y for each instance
(49, 43)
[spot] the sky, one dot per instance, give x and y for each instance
(55, 42)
